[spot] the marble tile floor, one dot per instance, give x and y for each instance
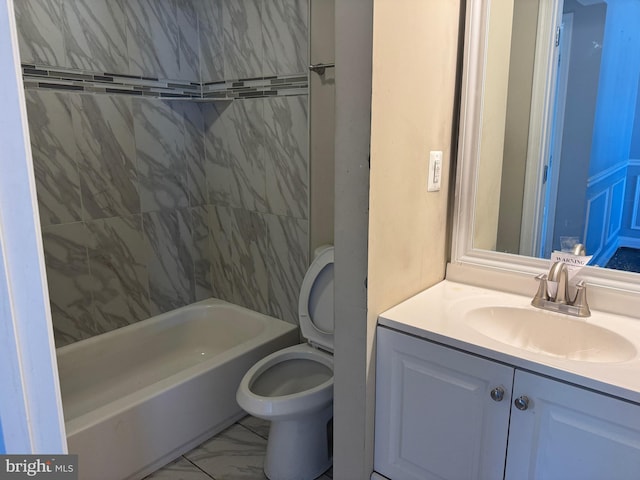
(236, 453)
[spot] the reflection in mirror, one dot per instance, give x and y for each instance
(559, 156)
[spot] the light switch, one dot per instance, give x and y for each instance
(434, 176)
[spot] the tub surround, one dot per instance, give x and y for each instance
(148, 204)
(180, 40)
(199, 50)
(438, 314)
(201, 213)
(55, 78)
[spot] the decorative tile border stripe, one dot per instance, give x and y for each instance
(256, 87)
(42, 77)
(35, 76)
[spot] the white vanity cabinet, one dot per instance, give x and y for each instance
(567, 432)
(435, 416)
(445, 414)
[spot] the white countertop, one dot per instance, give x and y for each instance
(440, 314)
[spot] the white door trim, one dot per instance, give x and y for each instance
(542, 101)
(30, 405)
(557, 129)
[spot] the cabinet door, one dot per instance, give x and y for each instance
(435, 418)
(570, 433)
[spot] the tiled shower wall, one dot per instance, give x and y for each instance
(149, 204)
(132, 37)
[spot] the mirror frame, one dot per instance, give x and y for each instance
(483, 267)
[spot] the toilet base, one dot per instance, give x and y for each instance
(300, 448)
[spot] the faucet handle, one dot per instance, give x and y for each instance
(581, 299)
(542, 294)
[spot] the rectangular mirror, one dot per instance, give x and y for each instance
(550, 146)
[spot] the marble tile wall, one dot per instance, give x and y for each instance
(187, 40)
(157, 38)
(124, 216)
(242, 39)
(257, 174)
(147, 204)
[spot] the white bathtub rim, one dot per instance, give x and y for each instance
(111, 409)
(145, 323)
(140, 396)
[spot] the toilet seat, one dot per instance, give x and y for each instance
(315, 302)
(274, 407)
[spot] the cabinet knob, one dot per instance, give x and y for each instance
(497, 394)
(522, 402)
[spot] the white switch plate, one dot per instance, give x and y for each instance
(434, 177)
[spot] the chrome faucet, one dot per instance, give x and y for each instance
(561, 301)
(559, 274)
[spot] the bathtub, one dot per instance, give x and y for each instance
(139, 396)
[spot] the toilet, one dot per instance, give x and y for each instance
(293, 387)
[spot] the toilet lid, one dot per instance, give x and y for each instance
(315, 305)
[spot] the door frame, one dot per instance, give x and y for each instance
(30, 402)
(557, 129)
(540, 124)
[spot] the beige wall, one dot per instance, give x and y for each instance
(415, 48)
(493, 125)
(414, 72)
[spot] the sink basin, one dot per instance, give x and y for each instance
(550, 334)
